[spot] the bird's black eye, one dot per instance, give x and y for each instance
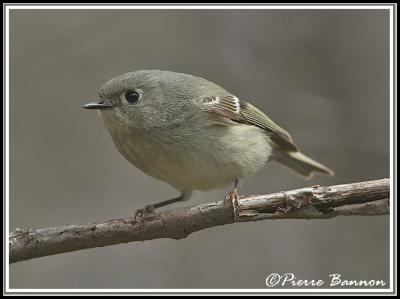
(132, 97)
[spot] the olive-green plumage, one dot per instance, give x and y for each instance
(192, 133)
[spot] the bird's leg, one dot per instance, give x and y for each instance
(148, 212)
(233, 199)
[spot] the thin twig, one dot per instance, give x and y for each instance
(316, 202)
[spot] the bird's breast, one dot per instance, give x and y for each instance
(194, 158)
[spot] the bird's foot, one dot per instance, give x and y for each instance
(146, 213)
(232, 199)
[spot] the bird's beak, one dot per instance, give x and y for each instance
(100, 104)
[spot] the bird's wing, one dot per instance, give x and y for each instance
(230, 107)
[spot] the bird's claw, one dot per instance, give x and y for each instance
(232, 199)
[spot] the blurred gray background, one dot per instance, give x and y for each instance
(321, 74)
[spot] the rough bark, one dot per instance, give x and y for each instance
(316, 202)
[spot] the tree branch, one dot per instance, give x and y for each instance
(316, 202)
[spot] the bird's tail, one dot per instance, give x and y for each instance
(300, 163)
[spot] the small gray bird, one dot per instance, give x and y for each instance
(192, 133)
